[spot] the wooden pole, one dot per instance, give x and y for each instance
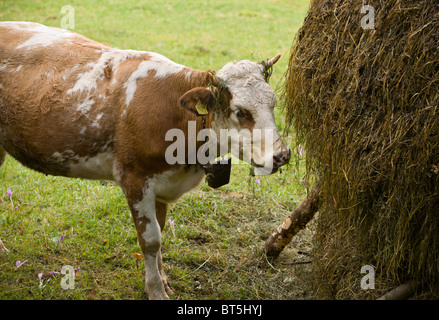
(404, 291)
(295, 222)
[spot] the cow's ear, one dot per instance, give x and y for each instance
(199, 100)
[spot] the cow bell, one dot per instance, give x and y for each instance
(218, 172)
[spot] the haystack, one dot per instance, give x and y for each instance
(362, 96)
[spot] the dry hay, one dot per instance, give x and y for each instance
(365, 104)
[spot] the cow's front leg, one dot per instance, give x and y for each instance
(141, 199)
(161, 210)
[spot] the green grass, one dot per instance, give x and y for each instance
(211, 253)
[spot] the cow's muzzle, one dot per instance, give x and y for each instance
(281, 158)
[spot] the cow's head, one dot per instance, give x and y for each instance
(242, 104)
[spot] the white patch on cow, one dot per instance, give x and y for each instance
(88, 81)
(57, 156)
(120, 56)
(118, 172)
(156, 62)
(99, 167)
(146, 207)
(83, 129)
(85, 106)
(172, 184)
(67, 73)
(12, 69)
(95, 123)
(40, 35)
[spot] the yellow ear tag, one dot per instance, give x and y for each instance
(201, 108)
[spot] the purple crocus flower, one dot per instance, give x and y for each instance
(40, 277)
(18, 263)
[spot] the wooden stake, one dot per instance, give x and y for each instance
(404, 291)
(295, 222)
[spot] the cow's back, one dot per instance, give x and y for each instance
(71, 106)
(56, 106)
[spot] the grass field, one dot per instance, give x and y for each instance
(215, 248)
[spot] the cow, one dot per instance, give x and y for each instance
(73, 107)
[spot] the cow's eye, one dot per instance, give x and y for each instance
(239, 113)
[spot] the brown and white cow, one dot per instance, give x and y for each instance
(72, 107)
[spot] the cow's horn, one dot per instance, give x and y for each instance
(272, 61)
(213, 79)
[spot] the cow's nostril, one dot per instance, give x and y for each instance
(282, 157)
(277, 157)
